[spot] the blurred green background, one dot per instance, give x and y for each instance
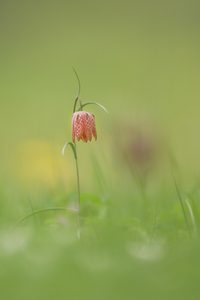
(141, 60)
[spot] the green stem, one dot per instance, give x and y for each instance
(182, 205)
(79, 90)
(74, 150)
(78, 183)
(75, 103)
(78, 189)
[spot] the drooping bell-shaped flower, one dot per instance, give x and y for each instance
(83, 126)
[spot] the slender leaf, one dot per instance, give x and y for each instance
(42, 210)
(72, 147)
(94, 103)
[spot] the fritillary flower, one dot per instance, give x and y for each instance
(83, 126)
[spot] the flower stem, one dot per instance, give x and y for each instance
(75, 103)
(74, 150)
(79, 90)
(78, 189)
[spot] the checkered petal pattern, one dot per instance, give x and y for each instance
(83, 126)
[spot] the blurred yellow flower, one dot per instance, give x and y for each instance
(39, 161)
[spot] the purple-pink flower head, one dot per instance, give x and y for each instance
(83, 126)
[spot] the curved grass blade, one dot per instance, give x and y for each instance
(72, 147)
(42, 210)
(182, 203)
(78, 80)
(79, 91)
(95, 103)
(190, 210)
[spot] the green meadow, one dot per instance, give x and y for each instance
(136, 235)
